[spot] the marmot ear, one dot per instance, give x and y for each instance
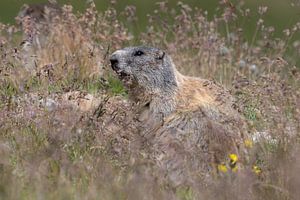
(160, 55)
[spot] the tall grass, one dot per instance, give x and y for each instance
(65, 120)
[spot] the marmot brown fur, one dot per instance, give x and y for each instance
(191, 123)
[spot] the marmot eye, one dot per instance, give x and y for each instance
(138, 53)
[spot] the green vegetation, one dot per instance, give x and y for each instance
(65, 128)
(116, 86)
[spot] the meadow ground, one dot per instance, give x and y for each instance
(61, 107)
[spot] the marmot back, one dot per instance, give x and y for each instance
(190, 122)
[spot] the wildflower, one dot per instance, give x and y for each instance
(247, 12)
(287, 32)
(50, 104)
(253, 68)
(235, 168)
(233, 162)
(248, 143)
(262, 9)
(260, 22)
(233, 157)
(222, 167)
(224, 51)
(242, 63)
(256, 169)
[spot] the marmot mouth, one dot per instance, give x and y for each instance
(122, 74)
(124, 77)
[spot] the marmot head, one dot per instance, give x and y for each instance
(146, 67)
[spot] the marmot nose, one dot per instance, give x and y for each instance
(114, 62)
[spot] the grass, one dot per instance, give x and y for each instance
(65, 128)
(115, 86)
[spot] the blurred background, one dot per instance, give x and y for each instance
(281, 13)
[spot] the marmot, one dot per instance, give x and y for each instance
(189, 122)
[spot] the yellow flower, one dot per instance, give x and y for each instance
(233, 158)
(256, 169)
(235, 168)
(222, 168)
(248, 143)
